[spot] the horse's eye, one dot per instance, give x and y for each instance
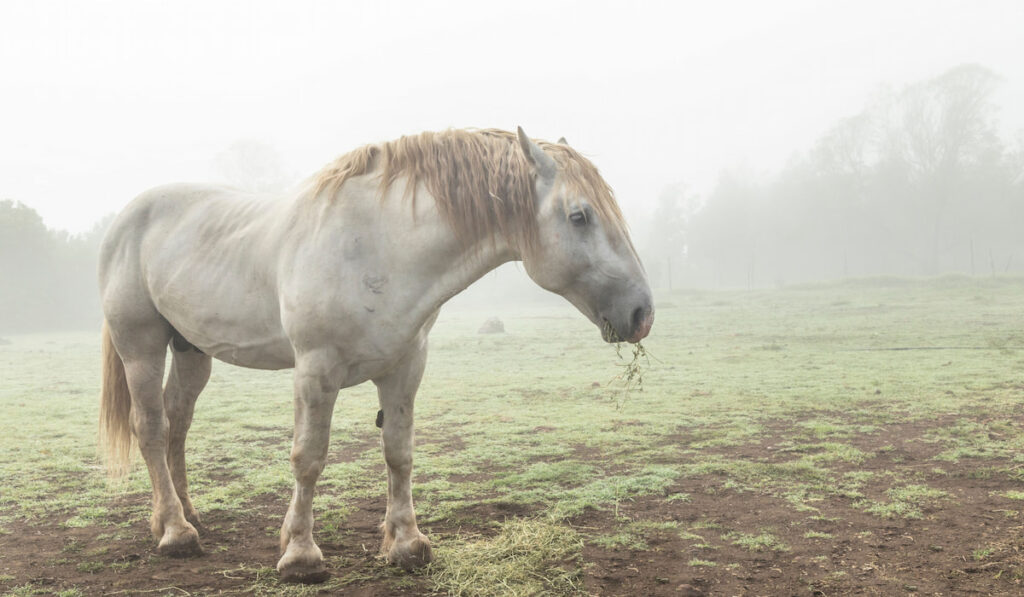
(578, 218)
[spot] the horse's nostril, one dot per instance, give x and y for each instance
(639, 315)
(641, 321)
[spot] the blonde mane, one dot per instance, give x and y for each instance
(480, 179)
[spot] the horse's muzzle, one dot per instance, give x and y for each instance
(642, 320)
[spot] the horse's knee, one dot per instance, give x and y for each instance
(399, 466)
(150, 426)
(398, 457)
(305, 467)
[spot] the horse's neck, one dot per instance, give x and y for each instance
(452, 277)
(404, 256)
(438, 266)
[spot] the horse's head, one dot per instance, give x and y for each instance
(582, 250)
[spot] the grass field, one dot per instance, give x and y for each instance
(865, 436)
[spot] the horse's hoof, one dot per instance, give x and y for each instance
(307, 576)
(183, 545)
(304, 566)
(411, 554)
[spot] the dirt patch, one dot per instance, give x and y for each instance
(727, 542)
(843, 551)
(240, 552)
(481, 516)
(587, 453)
(710, 539)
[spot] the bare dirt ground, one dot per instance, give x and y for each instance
(840, 551)
(850, 552)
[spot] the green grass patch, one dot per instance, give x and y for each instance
(836, 452)
(1000, 438)
(760, 542)
(828, 429)
(90, 566)
(905, 502)
(620, 540)
(87, 516)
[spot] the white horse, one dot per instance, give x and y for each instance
(342, 281)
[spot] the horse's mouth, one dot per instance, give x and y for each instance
(608, 333)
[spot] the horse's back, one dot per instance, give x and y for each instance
(152, 214)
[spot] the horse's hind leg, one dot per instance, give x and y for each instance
(143, 348)
(190, 370)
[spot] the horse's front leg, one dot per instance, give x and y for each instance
(403, 544)
(315, 393)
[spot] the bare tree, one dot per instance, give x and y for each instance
(668, 230)
(252, 165)
(942, 130)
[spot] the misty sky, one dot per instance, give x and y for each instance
(101, 100)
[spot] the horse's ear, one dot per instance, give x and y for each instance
(562, 141)
(543, 163)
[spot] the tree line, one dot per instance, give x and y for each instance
(921, 182)
(47, 277)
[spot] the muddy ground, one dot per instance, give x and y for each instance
(840, 551)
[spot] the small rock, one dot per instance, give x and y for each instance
(492, 326)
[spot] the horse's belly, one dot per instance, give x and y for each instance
(271, 355)
(244, 335)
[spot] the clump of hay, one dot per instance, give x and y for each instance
(526, 557)
(492, 326)
(632, 376)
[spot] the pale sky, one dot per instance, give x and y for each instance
(101, 100)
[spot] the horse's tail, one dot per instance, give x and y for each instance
(115, 410)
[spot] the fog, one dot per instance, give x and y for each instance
(750, 144)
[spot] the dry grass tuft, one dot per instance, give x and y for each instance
(527, 557)
(632, 375)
